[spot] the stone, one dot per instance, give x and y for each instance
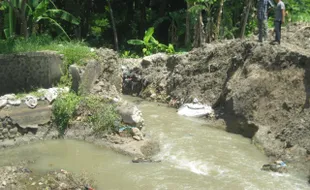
(4, 183)
(145, 160)
(13, 130)
(5, 131)
(3, 103)
(137, 134)
(11, 136)
(137, 138)
(76, 73)
(131, 114)
(34, 126)
(15, 102)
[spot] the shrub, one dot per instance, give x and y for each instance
(150, 44)
(64, 109)
(102, 114)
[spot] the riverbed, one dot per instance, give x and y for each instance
(194, 153)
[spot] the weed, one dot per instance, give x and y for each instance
(64, 109)
(102, 114)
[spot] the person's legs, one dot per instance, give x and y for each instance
(277, 27)
(280, 24)
(265, 30)
(260, 30)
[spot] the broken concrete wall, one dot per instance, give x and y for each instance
(25, 71)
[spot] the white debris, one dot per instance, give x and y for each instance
(31, 101)
(195, 109)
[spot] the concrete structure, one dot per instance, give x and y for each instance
(26, 71)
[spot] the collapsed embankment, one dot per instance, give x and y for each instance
(261, 91)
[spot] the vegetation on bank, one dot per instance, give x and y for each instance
(100, 113)
(64, 109)
(185, 24)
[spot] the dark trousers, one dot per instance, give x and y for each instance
(277, 27)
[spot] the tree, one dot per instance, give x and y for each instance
(245, 17)
(33, 12)
(113, 26)
(219, 17)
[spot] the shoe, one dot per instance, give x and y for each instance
(275, 42)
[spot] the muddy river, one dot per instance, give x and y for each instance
(194, 155)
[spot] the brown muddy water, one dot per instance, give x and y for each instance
(194, 155)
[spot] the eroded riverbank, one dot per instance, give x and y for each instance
(194, 155)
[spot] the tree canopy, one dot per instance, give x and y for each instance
(113, 23)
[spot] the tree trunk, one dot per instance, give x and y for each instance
(245, 18)
(23, 19)
(219, 17)
(142, 7)
(199, 32)
(1, 23)
(114, 27)
(188, 25)
(162, 9)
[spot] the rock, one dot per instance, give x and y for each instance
(131, 114)
(76, 73)
(4, 183)
(32, 101)
(15, 102)
(144, 160)
(5, 131)
(9, 96)
(3, 103)
(13, 130)
(137, 138)
(278, 166)
(137, 134)
(29, 126)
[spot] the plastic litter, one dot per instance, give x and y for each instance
(195, 109)
(31, 101)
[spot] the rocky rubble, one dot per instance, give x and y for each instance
(21, 178)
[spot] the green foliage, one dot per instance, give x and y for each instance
(128, 54)
(298, 10)
(100, 24)
(151, 45)
(33, 93)
(102, 114)
(64, 109)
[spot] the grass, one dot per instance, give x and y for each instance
(103, 115)
(33, 93)
(73, 51)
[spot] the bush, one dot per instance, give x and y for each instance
(64, 109)
(102, 114)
